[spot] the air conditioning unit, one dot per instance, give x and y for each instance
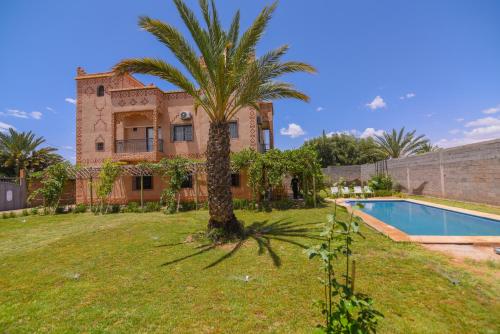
(185, 115)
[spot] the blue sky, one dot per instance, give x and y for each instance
(433, 66)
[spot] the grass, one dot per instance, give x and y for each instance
(459, 204)
(122, 273)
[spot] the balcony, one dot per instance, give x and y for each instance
(137, 146)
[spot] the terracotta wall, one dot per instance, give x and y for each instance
(124, 193)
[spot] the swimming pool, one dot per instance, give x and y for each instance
(419, 219)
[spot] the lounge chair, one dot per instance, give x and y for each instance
(358, 191)
(335, 191)
(346, 191)
(368, 191)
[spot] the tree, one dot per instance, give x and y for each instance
(400, 144)
(228, 78)
(20, 150)
(53, 179)
(344, 149)
(428, 147)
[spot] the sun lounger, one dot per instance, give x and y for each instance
(346, 191)
(368, 191)
(335, 191)
(358, 191)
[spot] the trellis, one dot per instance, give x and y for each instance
(90, 173)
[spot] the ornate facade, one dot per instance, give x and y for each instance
(121, 119)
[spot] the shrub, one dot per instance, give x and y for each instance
(152, 207)
(5, 215)
(133, 207)
(60, 209)
(12, 214)
(25, 213)
(286, 204)
(242, 204)
(34, 211)
(381, 182)
(80, 208)
(383, 193)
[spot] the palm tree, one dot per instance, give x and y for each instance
(20, 150)
(400, 144)
(428, 147)
(227, 77)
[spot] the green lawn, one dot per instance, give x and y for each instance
(464, 205)
(85, 273)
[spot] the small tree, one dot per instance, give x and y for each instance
(53, 180)
(345, 310)
(110, 171)
(175, 172)
(304, 163)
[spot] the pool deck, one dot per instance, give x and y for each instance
(400, 236)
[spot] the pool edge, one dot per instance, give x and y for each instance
(400, 236)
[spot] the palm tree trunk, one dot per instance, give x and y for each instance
(220, 199)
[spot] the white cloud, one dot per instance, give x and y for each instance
(459, 120)
(36, 114)
(429, 114)
(15, 113)
(4, 127)
(486, 121)
(407, 96)
(293, 130)
(320, 109)
(377, 103)
(371, 132)
(368, 132)
(493, 110)
(50, 109)
(70, 100)
(487, 128)
(21, 114)
(69, 148)
(484, 133)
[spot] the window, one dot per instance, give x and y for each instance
(235, 179)
(99, 146)
(100, 90)
(134, 129)
(233, 129)
(188, 182)
(182, 133)
(147, 182)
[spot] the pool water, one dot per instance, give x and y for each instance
(419, 219)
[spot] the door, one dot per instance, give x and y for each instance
(149, 139)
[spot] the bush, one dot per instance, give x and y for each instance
(383, 193)
(133, 207)
(243, 204)
(5, 215)
(381, 182)
(12, 214)
(34, 211)
(115, 208)
(60, 209)
(284, 204)
(80, 208)
(152, 207)
(25, 213)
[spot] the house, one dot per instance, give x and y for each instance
(120, 118)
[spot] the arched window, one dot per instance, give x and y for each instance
(100, 90)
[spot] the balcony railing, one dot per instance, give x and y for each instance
(137, 145)
(264, 147)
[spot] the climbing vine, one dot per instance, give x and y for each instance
(110, 171)
(174, 172)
